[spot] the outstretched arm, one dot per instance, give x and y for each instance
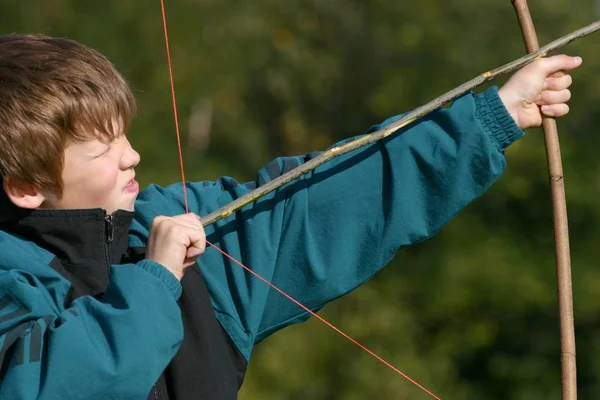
(323, 235)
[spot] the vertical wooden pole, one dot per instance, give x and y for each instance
(561, 226)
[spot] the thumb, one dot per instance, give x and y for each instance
(558, 63)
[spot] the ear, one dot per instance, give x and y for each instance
(23, 195)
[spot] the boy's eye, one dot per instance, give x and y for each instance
(103, 152)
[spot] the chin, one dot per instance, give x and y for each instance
(130, 206)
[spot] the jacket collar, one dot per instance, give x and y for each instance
(78, 237)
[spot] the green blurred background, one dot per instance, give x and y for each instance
(471, 313)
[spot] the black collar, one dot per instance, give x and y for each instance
(78, 237)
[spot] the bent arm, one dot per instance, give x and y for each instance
(113, 347)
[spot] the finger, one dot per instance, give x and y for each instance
(188, 262)
(193, 252)
(158, 220)
(548, 97)
(197, 239)
(182, 223)
(190, 217)
(557, 74)
(560, 83)
(558, 63)
(555, 110)
(187, 220)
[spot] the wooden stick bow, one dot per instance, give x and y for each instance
(561, 226)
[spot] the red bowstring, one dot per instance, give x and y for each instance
(174, 100)
(330, 325)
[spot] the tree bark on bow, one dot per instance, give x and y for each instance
(561, 226)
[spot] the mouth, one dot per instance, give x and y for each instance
(132, 186)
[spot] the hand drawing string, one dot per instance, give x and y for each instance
(315, 315)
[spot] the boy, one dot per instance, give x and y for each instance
(94, 300)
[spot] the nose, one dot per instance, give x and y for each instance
(130, 157)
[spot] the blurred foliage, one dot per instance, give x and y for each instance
(470, 313)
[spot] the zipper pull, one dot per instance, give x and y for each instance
(109, 230)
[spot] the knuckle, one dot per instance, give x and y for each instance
(157, 220)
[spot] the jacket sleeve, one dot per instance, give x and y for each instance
(113, 347)
(321, 236)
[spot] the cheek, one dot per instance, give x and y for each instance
(104, 180)
(94, 181)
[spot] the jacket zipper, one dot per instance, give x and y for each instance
(109, 233)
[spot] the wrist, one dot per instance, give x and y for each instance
(510, 106)
(176, 273)
(158, 270)
(495, 119)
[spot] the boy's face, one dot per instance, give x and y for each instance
(99, 175)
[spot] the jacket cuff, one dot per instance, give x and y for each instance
(495, 119)
(163, 274)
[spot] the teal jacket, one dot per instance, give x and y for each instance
(316, 238)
